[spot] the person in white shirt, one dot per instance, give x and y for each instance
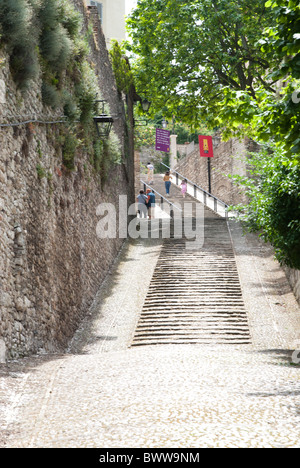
(150, 168)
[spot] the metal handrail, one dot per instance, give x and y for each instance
(161, 196)
(200, 188)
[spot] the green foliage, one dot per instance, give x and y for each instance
(273, 189)
(144, 136)
(16, 33)
(160, 168)
(55, 41)
(284, 39)
(188, 52)
(50, 95)
(71, 108)
(86, 92)
(233, 65)
(220, 62)
(69, 148)
(44, 38)
(121, 67)
(41, 171)
(70, 19)
(45, 31)
(107, 153)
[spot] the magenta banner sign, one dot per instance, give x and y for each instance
(162, 140)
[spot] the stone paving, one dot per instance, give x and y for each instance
(102, 393)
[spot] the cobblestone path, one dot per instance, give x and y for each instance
(104, 393)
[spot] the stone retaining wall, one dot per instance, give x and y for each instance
(51, 261)
(229, 158)
(294, 280)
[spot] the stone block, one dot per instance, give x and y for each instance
(2, 92)
(2, 351)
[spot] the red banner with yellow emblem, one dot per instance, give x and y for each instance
(206, 146)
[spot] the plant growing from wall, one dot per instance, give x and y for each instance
(20, 38)
(105, 154)
(121, 67)
(44, 38)
(69, 147)
(41, 171)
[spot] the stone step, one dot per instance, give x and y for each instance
(195, 296)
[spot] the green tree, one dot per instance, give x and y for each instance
(273, 188)
(234, 65)
(189, 52)
(272, 116)
(121, 67)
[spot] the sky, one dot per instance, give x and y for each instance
(129, 5)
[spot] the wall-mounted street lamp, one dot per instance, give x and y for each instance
(164, 123)
(103, 122)
(145, 106)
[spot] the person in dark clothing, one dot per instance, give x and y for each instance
(142, 204)
(151, 203)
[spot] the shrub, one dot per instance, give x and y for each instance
(71, 110)
(69, 149)
(70, 19)
(55, 43)
(121, 67)
(41, 171)
(44, 35)
(273, 189)
(86, 92)
(16, 19)
(50, 95)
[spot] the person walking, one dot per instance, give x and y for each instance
(167, 180)
(151, 203)
(150, 168)
(183, 187)
(142, 206)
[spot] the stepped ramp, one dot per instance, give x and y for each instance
(194, 296)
